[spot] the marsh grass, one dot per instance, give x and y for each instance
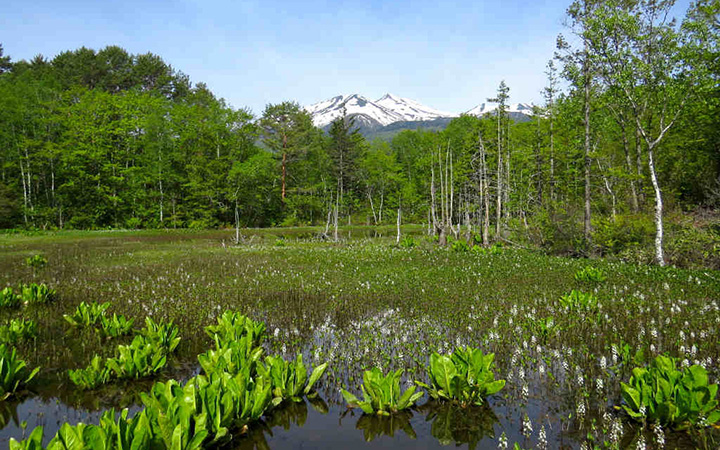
(364, 302)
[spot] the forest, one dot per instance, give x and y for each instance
(623, 157)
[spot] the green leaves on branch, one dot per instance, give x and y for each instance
(677, 398)
(467, 377)
(382, 394)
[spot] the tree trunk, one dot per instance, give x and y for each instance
(628, 166)
(659, 257)
(638, 164)
(586, 121)
(284, 160)
(397, 240)
(237, 223)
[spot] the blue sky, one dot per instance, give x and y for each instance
(450, 55)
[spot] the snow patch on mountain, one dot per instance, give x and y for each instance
(484, 108)
(384, 111)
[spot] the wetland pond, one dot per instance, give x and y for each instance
(365, 302)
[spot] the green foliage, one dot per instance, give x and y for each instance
(18, 329)
(36, 293)
(590, 275)
(8, 298)
(32, 442)
(145, 356)
(579, 301)
(624, 233)
(14, 373)
(92, 376)
(466, 377)
(407, 242)
(140, 359)
(36, 261)
(289, 379)
(460, 246)
(86, 314)
(231, 357)
(677, 398)
(115, 326)
(231, 326)
(203, 413)
(382, 394)
(162, 336)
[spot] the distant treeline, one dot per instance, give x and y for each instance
(96, 139)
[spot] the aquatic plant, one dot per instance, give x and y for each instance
(289, 379)
(86, 314)
(115, 326)
(579, 301)
(36, 293)
(36, 261)
(143, 357)
(8, 298)
(677, 398)
(14, 373)
(231, 326)
(18, 329)
(590, 275)
(160, 335)
(466, 377)
(232, 356)
(94, 375)
(382, 394)
(32, 442)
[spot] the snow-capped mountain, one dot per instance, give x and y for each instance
(517, 108)
(410, 109)
(382, 112)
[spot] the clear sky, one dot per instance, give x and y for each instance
(450, 55)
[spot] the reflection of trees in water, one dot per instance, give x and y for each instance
(454, 424)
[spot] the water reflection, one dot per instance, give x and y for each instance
(374, 426)
(451, 423)
(285, 416)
